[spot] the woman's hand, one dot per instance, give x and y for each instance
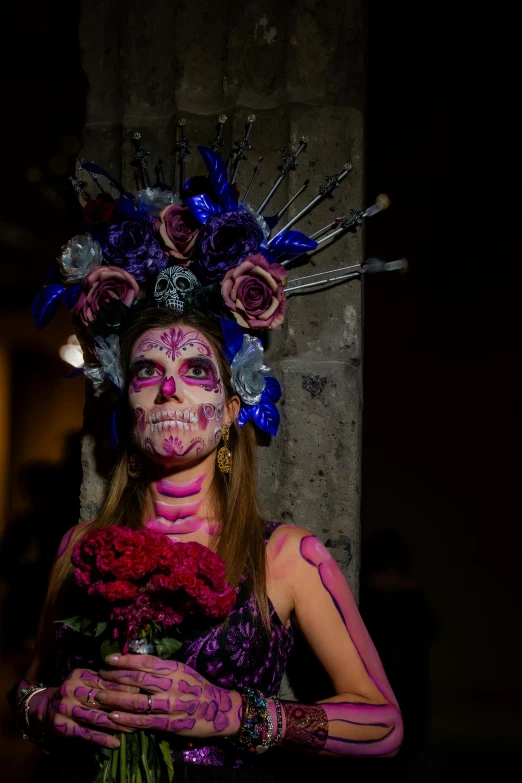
(180, 699)
(64, 711)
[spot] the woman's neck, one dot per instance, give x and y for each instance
(181, 503)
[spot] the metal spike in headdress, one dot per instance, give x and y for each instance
(240, 146)
(207, 250)
(140, 163)
(289, 164)
(183, 146)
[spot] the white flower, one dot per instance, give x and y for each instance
(248, 370)
(261, 222)
(94, 372)
(108, 350)
(81, 254)
(155, 200)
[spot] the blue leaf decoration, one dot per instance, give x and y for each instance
(217, 173)
(271, 221)
(272, 390)
(245, 413)
(196, 185)
(95, 169)
(233, 334)
(203, 208)
(126, 208)
(46, 303)
(293, 242)
(71, 295)
(266, 416)
(270, 257)
(74, 372)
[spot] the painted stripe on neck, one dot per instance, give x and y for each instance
(173, 513)
(183, 490)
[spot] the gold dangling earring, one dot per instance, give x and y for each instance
(135, 466)
(224, 455)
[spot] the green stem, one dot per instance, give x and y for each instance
(144, 744)
(138, 776)
(114, 763)
(123, 758)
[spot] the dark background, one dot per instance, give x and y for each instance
(440, 518)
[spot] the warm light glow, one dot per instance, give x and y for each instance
(72, 353)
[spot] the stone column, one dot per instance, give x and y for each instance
(299, 67)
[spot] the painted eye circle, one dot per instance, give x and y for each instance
(147, 372)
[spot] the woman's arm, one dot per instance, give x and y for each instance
(363, 718)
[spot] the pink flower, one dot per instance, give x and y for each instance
(178, 230)
(254, 292)
(103, 285)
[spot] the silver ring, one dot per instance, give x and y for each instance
(149, 703)
(92, 703)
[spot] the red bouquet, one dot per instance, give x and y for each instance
(146, 590)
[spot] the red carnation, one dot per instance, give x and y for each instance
(149, 579)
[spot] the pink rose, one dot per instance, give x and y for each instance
(101, 286)
(178, 230)
(254, 292)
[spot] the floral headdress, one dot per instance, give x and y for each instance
(206, 249)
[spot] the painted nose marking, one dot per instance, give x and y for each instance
(168, 387)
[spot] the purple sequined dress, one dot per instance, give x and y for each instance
(241, 654)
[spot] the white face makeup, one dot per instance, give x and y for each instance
(176, 395)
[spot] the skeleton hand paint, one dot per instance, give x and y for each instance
(176, 394)
(182, 700)
(64, 711)
(345, 725)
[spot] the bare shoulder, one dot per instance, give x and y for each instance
(284, 549)
(287, 538)
(70, 538)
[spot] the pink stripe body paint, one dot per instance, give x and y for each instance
(185, 490)
(188, 525)
(359, 713)
(173, 513)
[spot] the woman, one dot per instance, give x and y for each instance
(180, 404)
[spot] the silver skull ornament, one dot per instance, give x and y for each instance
(173, 285)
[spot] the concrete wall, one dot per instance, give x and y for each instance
(299, 67)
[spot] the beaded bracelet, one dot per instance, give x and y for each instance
(253, 721)
(26, 730)
(279, 710)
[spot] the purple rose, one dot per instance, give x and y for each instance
(223, 242)
(132, 244)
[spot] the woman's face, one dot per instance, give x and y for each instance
(176, 395)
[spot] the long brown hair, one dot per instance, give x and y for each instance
(241, 543)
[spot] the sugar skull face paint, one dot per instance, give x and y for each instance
(176, 394)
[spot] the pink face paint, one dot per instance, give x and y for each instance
(139, 414)
(173, 446)
(178, 362)
(182, 490)
(200, 371)
(168, 387)
(174, 342)
(173, 513)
